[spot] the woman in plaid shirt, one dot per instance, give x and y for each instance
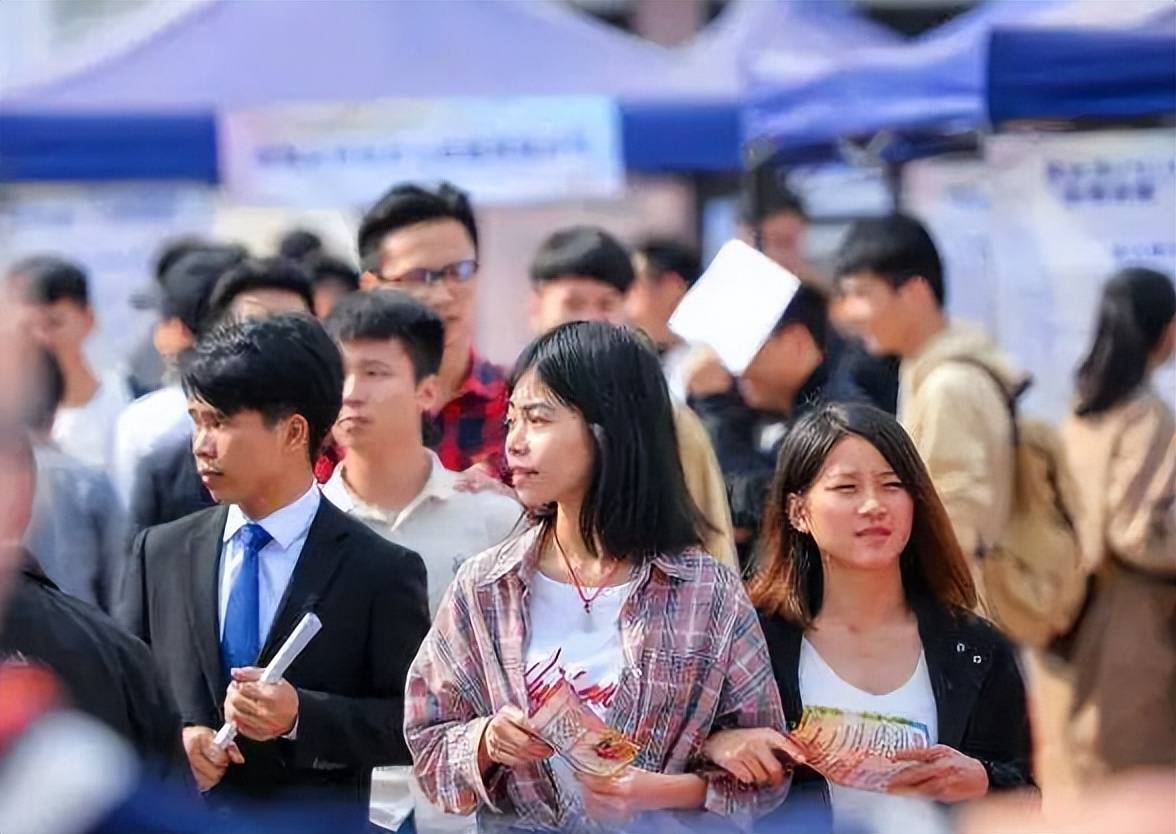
(609, 592)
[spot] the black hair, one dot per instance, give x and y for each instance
(388, 314)
(790, 580)
(809, 309)
(897, 248)
(1136, 310)
(637, 505)
(757, 205)
(174, 249)
(261, 274)
(46, 391)
(46, 279)
(300, 244)
(407, 205)
(583, 250)
(665, 255)
(278, 366)
(324, 268)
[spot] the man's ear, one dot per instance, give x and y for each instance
(535, 308)
(297, 433)
(426, 393)
(368, 281)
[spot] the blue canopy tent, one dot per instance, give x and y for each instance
(1082, 75)
(916, 94)
(150, 110)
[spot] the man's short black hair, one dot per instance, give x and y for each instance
(47, 279)
(583, 250)
(388, 314)
(408, 204)
(46, 392)
(278, 366)
(261, 274)
(897, 248)
(188, 284)
(666, 255)
(809, 309)
(174, 249)
(300, 244)
(778, 199)
(324, 268)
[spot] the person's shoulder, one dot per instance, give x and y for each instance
(163, 538)
(976, 631)
(80, 619)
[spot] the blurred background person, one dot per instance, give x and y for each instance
(865, 600)
(583, 273)
(332, 281)
(61, 317)
(1111, 704)
(77, 527)
(747, 417)
(955, 383)
(664, 271)
(425, 242)
(260, 287)
(161, 416)
(300, 245)
(392, 347)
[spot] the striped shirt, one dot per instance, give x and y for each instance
(695, 662)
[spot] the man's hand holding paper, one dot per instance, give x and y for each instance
(261, 711)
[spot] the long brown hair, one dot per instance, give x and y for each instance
(789, 581)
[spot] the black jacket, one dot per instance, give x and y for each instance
(105, 672)
(371, 597)
(979, 693)
(166, 487)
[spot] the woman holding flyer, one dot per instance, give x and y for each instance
(573, 673)
(865, 599)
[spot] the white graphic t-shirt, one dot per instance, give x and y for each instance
(585, 648)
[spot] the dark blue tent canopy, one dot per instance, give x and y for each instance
(1082, 74)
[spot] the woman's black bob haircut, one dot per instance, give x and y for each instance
(637, 506)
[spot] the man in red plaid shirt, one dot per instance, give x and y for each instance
(425, 242)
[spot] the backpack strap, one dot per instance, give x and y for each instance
(1010, 398)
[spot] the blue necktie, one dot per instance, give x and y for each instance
(241, 640)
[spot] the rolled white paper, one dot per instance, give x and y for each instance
(303, 633)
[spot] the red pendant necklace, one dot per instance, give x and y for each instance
(584, 598)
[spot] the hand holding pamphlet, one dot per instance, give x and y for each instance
(564, 723)
(856, 749)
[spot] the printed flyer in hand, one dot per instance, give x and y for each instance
(855, 749)
(578, 735)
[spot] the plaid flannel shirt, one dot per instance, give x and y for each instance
(695, 662)
(470, 425)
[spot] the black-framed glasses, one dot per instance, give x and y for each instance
(458, 273)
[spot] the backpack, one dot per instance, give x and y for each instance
(1033, 578)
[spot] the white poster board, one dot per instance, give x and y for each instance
(115, 231)
(1067, 211)
(501, 150)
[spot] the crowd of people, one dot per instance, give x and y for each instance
(699, 555)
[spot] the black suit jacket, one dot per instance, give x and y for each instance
(371, 597)
(166, 487)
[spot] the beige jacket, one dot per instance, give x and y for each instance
(1124, 464)
(961, 426)
(704, 479)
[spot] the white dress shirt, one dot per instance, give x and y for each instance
(144, 426)
(289, 527)
(444, 527)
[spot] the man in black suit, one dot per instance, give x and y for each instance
(217, 593)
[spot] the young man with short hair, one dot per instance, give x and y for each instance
(56, 294)
(332, 281)
(665, 271)
(748, 417)
(583, 273)
(159, 418)
(424, 242)
(953, 380)
(392, 347)
(216, 594)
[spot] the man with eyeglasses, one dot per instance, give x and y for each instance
(425, 242)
